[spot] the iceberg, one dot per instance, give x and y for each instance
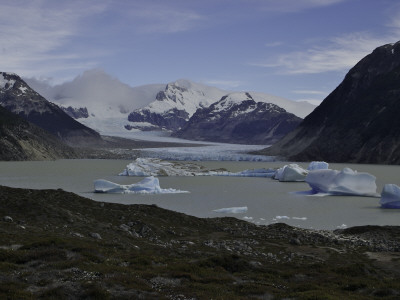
(158, 167)
(149, 185)
(390, 197)
(318, 165)
(292, 172)
(345, 182)
(231, 210)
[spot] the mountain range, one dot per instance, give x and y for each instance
(167, 107)
(358, 122)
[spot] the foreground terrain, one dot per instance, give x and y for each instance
(55, 244)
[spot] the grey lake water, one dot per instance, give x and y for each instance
(268, 201)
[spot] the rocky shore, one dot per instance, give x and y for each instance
(55, 244)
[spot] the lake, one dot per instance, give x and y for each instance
(268, 201)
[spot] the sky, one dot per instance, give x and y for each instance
(297, 49)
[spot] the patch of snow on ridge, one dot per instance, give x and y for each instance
(4, 82)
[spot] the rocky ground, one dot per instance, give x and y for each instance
(55, 244)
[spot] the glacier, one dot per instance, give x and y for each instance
(390, 197)
(149, 185)
(289, 173)
(345, 182)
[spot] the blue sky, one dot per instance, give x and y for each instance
(298, 49)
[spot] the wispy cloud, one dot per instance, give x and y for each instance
(309, 92)
(336, 54)
(226, 84)
(33, 33)
(290, 6)
(162, 18)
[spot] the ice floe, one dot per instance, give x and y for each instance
(292, 172)
(318, 165)
(345, 182)
(390, 197)
(149, 185)
(231, 210)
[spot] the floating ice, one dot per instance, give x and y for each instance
(390, 197)
(292, 172)
(158, 167)
(345, 182)
(282, 217)
(231, 210)
(318, 165)
(149, 185)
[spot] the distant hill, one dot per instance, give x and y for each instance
(358, 122)
(17, 97)
(238, 118)
(21, 140)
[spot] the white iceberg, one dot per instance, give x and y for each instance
(345, 182)
(149, 185)
(292, 172)
(158, 167)
(390, 197)
(318, 165)
(231, 210)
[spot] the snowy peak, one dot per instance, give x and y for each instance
(20, 98)
(238, 118)
(174, 105)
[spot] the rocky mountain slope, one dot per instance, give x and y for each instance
(358, 121)
(238, 118)
(57, 245)
(17, 97)
(21, 140)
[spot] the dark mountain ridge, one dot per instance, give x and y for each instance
(358, 122)
(17, 97)
(21, 140)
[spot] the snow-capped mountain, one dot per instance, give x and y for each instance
(98, 100)
(111, 107)
(174, 105)
(19, 98)
(238, 118)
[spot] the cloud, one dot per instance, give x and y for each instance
(224, 83)
(336, 54)
(309, 92)
(292, 6)
(162, 17)
(33, 34)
